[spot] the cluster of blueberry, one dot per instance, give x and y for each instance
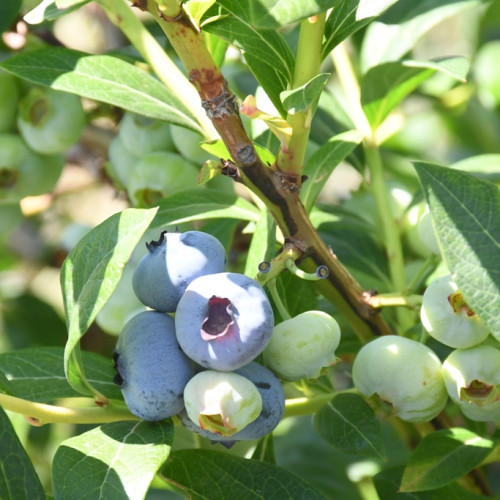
(141, 149)
(415, 382)
(192, 353)
(37, 125)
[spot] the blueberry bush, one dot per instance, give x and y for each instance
(250, 249)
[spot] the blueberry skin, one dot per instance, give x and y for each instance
(249, 322)
(273, 407)
(172, 263)
(152, 368)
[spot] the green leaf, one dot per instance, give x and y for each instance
(298, 295)
(44, 380)
(5, 386)
(18, 478)
(219, 150)
(388, 481)
(397, 31)
(301, 98)
(266, 52)
(348, 17)
(117, 460)
(196, 204)
(207, 474)
(485, 166)
(443, 457)
(8, 12)
(103, 78)
(385, 86)
(322, 162)
(464, 211)
(263, 245)
(49, 10)
(349, 424)
(272, 14)
(89, 276)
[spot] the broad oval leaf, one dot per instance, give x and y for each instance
(443, 457)
(223, 476)
(18, 478)
(103, 78)
(348, 423)
(464, 211)
(45, 380)
(385, 86)
(322, 162)
(196, 204)
(89, 276)
(117, 460)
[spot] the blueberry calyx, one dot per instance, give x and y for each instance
(458, 304)
(478, 390)
(219, 318)
(156, 243)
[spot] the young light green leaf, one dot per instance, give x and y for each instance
(197, 204)
(272, 14)
(263, 244)
(443, 457)
(464, 211)
(117, 460)
(301, 98)
(219, 150)
(348, 17)
(397, 31)
(385, 86)
(103, 78)
(322, 163)
(18, 478)
(349, 424)
(44, 381)
(214, 474)
(89, 276)
(266, 52)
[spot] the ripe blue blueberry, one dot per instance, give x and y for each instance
(171, 263)
(273, 407)
(223, 321)
(152, 369)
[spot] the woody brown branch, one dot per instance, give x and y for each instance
(279, 191)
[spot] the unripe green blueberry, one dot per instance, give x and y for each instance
(402, 373)
(426, 232)
(121, 162)
(158, 175)
(142, 135)
(24, 172)
(222, 402)
(448, 318)
(419, 232)
(472, 378)
(301, 347)
(187, 142)
(9, 93)
(50, 121)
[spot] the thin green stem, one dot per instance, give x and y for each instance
(273, 290)
(170, 75)
(394, 300)
(40, 413)
(305, 406)
(307, 66)
(423, 272)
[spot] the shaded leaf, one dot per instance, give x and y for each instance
(117, 460)
(89, 276)
(103, 78)
(44, 380)
(397, 31)
(464, 211)
(301, 98)
(349, 424)
(322, 162)
(385, 86)
(8, 12)
(212, 474)
(18, 478)
(196, 204)
(263, 245)
(443, 457)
